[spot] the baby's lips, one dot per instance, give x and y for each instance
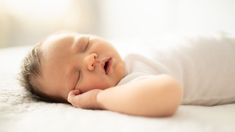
(104, 60)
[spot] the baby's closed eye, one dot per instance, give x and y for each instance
(84, 44)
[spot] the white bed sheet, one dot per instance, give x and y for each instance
(19, 112)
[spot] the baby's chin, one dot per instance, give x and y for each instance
(108, 86)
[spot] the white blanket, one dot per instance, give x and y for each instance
(19, 112)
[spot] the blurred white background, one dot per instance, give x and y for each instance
(24, 22)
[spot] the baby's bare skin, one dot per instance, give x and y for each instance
(85, 69)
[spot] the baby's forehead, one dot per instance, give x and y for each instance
(56, 42)
(65, 35)
(63, 38)
(60, 42)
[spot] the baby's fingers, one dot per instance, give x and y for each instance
(72, 95)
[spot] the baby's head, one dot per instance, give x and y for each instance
(68, 61)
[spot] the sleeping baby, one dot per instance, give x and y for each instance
(88, 72)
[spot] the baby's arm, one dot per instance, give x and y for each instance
(156, 96)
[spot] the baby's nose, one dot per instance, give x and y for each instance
(91, 61)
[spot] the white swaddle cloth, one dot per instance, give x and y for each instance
(204, 66)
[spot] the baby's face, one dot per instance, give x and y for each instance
(73, 61)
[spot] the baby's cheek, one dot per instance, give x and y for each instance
(92, 83)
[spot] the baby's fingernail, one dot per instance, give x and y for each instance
(76, 92)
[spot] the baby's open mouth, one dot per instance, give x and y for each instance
(107, 65)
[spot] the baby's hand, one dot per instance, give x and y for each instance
(87, 100)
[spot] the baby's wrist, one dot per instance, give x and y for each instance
(98, 100)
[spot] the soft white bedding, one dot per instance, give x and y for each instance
(19, 112)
